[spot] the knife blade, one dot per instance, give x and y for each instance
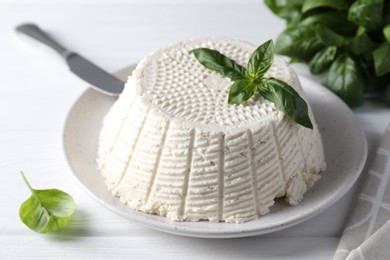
(99, 79)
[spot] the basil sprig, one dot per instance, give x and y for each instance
(348, 41)
(249, 80)
(46, 211)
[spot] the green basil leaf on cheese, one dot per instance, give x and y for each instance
(218, 62)
(248, 80)
(241, 91)
(286, 99)
(261, 59)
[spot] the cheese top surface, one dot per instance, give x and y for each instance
(174, 82)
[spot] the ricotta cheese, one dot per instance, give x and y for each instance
(171, 145)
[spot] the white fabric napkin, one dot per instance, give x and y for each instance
(367, 235)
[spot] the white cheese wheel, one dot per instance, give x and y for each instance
(171, 145)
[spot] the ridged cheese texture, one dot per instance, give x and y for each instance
(171, 145)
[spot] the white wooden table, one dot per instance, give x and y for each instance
(37, 91)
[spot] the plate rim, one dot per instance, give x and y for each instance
(175, 228)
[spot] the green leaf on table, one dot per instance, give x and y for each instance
(218, 62)
(328, 37)
(322, 59)
(298, 41)
(386, 33)
(367, 13)
(46, 211)
(345, 79)
(286, 99)
(335, 4)
(382, 59)
(241, 91)
(261, 59)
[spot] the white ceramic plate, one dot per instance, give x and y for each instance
(345, 151)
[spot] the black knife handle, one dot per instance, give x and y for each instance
(35, 32)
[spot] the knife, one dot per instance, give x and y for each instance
(100, 79)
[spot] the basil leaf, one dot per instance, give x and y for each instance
(261, 59)
(386, 33)
(299, 42)
(241, 91)
(286, 99)
(345, 79)
(218, 62)
(289, 10)
(361, 44)
(382, 59)
(336, 21)
(367, 13)
(46, 210)
(335, 4)
(328, 37)
(322, 60)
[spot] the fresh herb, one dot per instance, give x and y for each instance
(348, 41)
(46, 211)
(249, 80)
